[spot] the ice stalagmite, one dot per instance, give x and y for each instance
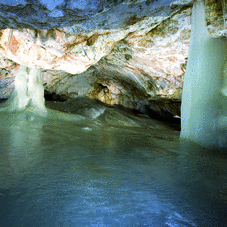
(29, 91)
(204, 106)
(35, 88)
(19, 98)
(28, 96)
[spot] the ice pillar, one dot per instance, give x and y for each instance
(202, 100)
(19, 99)
(35, 88)
(29, 91)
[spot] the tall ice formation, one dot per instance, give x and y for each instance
(29, 91)
(204, 101)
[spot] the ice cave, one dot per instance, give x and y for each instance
(113, 113)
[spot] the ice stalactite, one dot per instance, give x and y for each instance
(204, 107)
(29, 91)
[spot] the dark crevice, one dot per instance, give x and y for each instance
(3, 100)
(52, 96)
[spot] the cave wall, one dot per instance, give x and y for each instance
(139, 65)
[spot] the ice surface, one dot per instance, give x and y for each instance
(61, 173)
(203, 110)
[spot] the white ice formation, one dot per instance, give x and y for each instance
(29, 91)
(204, 101)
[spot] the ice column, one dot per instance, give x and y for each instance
(29, 91)
(35, 88)
(202, 100)
(20, 99)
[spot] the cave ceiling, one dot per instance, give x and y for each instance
(79, 16)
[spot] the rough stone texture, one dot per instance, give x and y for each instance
(80, 16)
(136, 58)
(8, 71)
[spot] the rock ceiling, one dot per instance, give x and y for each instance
(121, 52)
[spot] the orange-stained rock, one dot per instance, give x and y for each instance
(14, 45)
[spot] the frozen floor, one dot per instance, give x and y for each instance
(83, 173)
